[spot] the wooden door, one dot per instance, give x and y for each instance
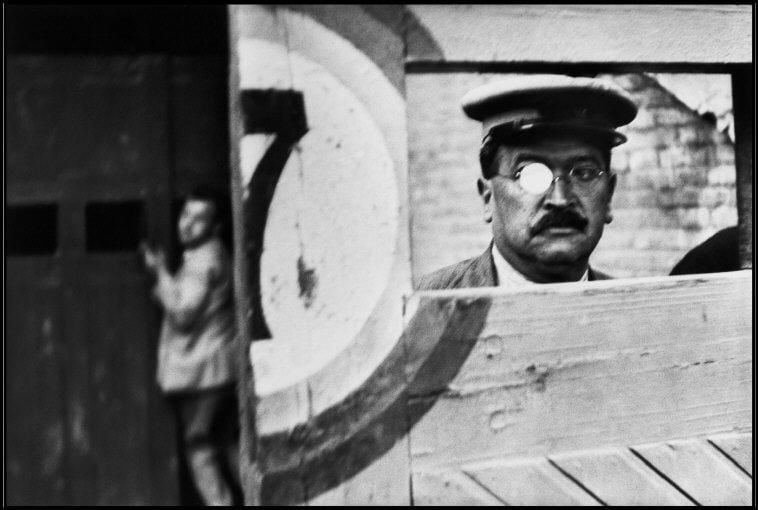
(88, 175)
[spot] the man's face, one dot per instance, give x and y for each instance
(196, 222)
(548, 236)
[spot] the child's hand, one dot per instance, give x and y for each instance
(153, 258)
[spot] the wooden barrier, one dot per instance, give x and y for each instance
(319, 173)
(480, 395)
(621, 392)
(618, 392)
(581, 33)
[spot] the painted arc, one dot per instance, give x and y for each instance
(331, 233)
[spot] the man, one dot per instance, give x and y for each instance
(546, 182)
(196, 352)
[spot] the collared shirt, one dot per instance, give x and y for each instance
(508, 276)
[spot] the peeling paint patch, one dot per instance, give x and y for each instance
(493, 346)
(498, 420)
(307, 280)
(539, 376)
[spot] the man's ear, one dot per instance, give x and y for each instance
(611, 189)
(484, 186)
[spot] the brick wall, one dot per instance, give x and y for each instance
(676, 179)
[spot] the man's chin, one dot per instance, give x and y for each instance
(558, 254)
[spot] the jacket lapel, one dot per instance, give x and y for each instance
(481, 272)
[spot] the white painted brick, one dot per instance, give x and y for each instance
(723, 216)
(722, 175)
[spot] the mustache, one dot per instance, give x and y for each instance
(560, 218)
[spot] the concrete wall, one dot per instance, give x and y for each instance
(676, 178)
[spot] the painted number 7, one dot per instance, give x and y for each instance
(280, 113)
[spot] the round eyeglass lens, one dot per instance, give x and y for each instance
(535, 178)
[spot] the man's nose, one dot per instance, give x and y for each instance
(559, 194)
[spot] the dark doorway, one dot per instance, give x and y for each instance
(112, 114)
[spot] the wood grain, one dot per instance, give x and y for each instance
(319, 422)
(338, 444)
(354, 318)
(681, 473)
(618, 477)
(36, 426)
(701, 471)
(738, 447)
(109, 443)
(570, 367)
(550, 371)
(530, 482)
(581, 34)
(250, 477)
(450, 488)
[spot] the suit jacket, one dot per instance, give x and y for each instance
(475, 272)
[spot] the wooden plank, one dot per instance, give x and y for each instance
(330, 426)
(580, 34)
(249, 473)
(530, 482)
(250, 22)
(345, 93)
(104, 190)
(199, 117)
(337, 444)
(36, 442)
(52, 93)
(569, 367)
(326, 62)
(375, 29)
(738, 447)
(384, 479)
(608, 476)
(450, 488)
(618, 477)
(108, 433)
(118, 375)
(81, 457)
(115, 319)
(700, 471)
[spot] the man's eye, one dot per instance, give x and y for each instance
(585, 172)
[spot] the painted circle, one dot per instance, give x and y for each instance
(331, 233)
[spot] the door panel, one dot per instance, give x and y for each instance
(81, 122)
(36, 431)
(89, 130)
